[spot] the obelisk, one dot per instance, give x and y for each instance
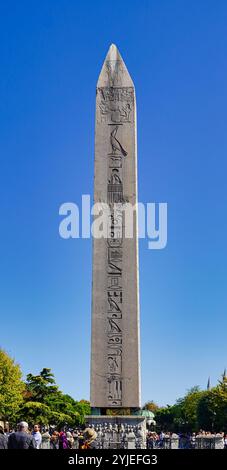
(115, 349)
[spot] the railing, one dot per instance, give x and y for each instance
(165, 443)
(125, 442)
(119, 444)
(215, 442)
(116, 442)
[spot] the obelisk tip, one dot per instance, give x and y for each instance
(114, 71)
(113, 53)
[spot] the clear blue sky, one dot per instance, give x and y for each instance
(51, 53)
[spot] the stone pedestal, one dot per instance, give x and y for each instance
(118, 432)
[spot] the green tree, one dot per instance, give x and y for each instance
(212, 408)
(151, 406)
(11, 386)
(34, 413)
(63, 404)
(41, 386)
(61, 419)
(82, 408)
(44, 403)
(187, 418)
(166, 418)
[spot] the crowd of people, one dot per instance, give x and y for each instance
(51, 438)
(24, 438)
(185, 441)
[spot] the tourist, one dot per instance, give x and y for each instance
(89, 438)
(70, 439)
(3, 439)
(54, 440)
(225, 441)
(37, 436)
(193, 440)
(152, 440)
(183, 441)
(21, 439)
(81, 440)
(45, 444)
(76, 434)
(7, 433)
(161, 439)
(63, 443)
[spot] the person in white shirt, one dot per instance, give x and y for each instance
(37, 436)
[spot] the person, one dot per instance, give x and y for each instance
(21, 439)
(37, 435)
(225, 441)
(89, 438)
(3, 439)
(6, 432)
(45, 444)
(161, 439)
(63, 443)
(183, 441)
(54, 440)
(80, 440)
(76, 439)
(70, 439)
(193, 440)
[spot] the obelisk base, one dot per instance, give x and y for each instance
(118, 432)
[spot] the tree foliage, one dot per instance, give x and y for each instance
(45, 403)
(41, 386)
(33, 412)
(40, 401)
(212, 408)
(198, 409)
(151, 406)
(187, 410)
(11, 386)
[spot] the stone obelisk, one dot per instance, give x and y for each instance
(115, 349)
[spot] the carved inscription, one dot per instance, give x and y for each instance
(115, 111)
(115, 105)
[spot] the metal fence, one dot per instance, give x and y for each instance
(165, 443)
(119, 443)
(215, 442)
(209, 442)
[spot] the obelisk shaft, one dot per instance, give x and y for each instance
(115, 351)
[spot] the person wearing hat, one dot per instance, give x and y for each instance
(89, 437)
(21, 439)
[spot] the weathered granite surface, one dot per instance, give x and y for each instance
(115, 351)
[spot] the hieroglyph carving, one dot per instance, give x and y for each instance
(116, 106)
